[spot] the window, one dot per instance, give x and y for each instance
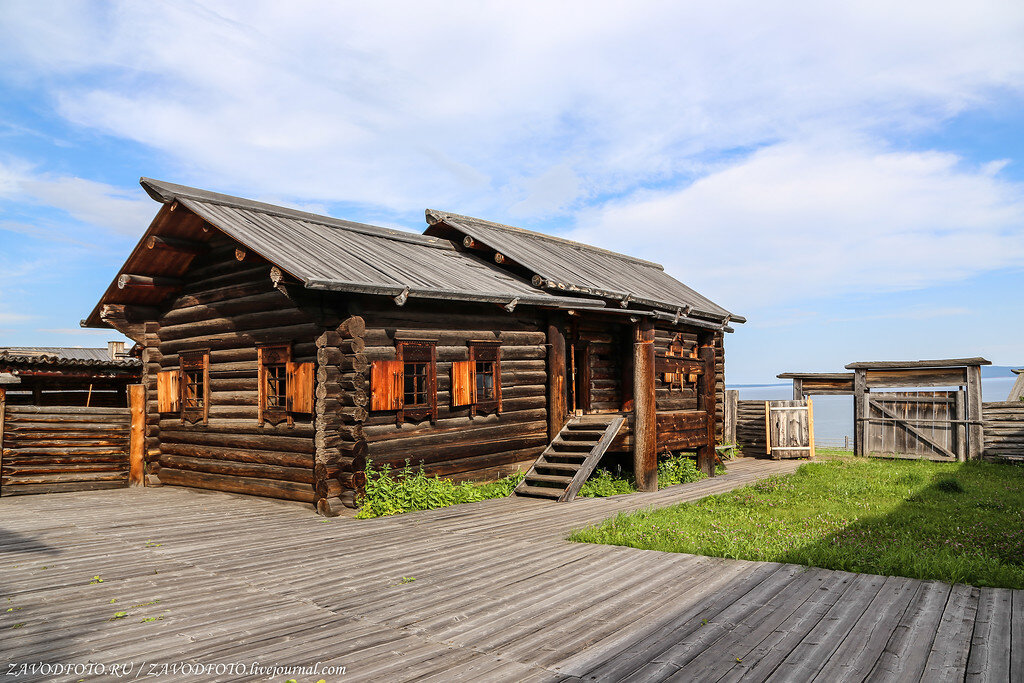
(477, 382)
(285, 387)
(408, 384)
(195, 386)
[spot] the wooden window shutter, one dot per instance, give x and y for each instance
(300, 387)
(386, 378)
(692, 379)
(463, 383)
(167, 397)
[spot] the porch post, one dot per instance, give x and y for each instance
(645, 415)
(706, 402)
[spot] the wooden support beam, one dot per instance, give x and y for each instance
(126, 280)
(645, 415)
(860, 412)
(557, 407)
(137, 439)
(798, 389)
(175, 244)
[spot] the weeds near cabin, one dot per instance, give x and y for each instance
(391, 492)
(675, 469)
(954, 522)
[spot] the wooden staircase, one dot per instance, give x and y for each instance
(570, 459)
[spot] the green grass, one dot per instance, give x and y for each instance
(408, 489)
(960, 523)
(676, 469)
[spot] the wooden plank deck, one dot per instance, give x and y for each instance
(482, 591)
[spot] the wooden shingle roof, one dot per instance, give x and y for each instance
(567, 267)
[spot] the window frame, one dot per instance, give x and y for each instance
(191, 362)
(421, 351)
(267, 355)
(485, 352)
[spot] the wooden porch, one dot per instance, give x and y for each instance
(486, 590)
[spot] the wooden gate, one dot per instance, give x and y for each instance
(919, 424)
(789, 429)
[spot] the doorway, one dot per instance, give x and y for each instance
(578, 371)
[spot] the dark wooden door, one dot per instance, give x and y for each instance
(579, 376)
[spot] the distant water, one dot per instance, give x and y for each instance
(833, 415)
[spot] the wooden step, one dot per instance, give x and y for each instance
(572, 457)
(539, 491)
(583, 435)
(558, 466)
(577, 446)
(549, 479)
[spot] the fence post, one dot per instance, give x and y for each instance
(975, 431)
(137, 442)
(732, 399)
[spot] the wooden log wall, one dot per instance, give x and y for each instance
(341, 397)
(481, 448)
(53, 449)
(750, 428)
(228, 307)
(671, 400)
(1004, 430)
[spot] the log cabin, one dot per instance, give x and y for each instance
(282, 350)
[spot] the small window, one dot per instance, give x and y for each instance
(408, 384)
(194, 386)
(477, 381)
(285, 387)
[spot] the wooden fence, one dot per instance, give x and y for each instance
(52, 449)
(1004, 430)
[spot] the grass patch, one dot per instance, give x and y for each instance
(676, 469)
(955, 522)
(394, 492)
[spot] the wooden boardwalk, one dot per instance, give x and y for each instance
(487, 591)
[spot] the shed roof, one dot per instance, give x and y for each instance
(917, 364)
(62, 356)
(562, 265)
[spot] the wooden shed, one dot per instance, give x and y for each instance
(281, 349)
(64, 418)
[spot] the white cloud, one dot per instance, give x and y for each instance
(800, 221)
(477, 107)
(98, 204)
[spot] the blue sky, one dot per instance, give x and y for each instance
(849, 176)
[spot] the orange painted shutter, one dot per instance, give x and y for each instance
(463, 384)
(300, 387)
(168, 399)
(692, 379)
(386, 378)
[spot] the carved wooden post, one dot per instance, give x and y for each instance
(645, 413)
(137, 438)
(557, 409)
(706, 402)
